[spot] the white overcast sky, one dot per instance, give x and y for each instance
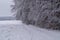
(5, 9)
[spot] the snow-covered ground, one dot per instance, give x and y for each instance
(16, 30)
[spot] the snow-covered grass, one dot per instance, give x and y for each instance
(16, 30)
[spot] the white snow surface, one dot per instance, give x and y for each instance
(16, 30)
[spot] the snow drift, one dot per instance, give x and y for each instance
(16, 30)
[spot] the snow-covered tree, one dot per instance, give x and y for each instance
(42, 13)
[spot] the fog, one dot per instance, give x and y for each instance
(5, 9)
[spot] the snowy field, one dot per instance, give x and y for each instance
(16, 30)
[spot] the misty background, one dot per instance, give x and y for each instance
(5, 9)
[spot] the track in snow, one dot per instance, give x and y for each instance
(16, 30)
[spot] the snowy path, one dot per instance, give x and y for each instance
(16, 30)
